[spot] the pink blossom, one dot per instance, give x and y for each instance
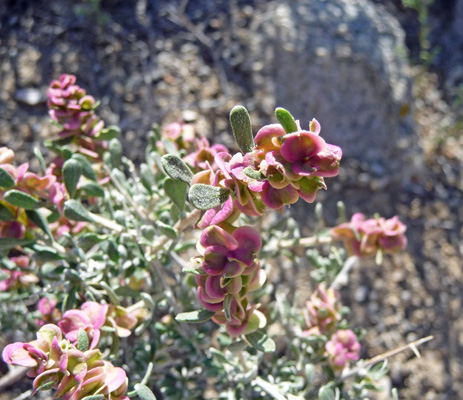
(364, 238)
(19, 278)
(73, 373)
(50, 314)
(91, 317)
(342, 348)
(322, 311)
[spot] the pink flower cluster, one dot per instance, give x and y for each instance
(281, 169)
(75, 374)
(92, 316)
(70, 107)
(364, 237)
(204, 154)
(180, 133)
(294, 164)
(20, 277)
(322, 311)
(231, 271)
(50, 314)
(342, 348)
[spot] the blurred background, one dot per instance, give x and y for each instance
(384, 79)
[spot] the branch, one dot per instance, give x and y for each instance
(13, 376)
(381, 357)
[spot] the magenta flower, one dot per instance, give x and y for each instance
(342, 348)
(73, 373)
(50, 314)
(231, 270)
(322, 311)
(364, 238)
(293, 164)
(21, 277)
(204, 154)
(91, 317)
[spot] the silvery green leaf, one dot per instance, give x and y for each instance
(177, 191)
(46, 253)
(90, 239)
(47, 386)
(11, 243)
(21, 199)
(167, 230)
(87, 169)
(286, 120)
(147, 177)
(6, 214)
(6, 180)
(195, 316)
(176, 168)
(226, 307)
(111, 132)
(92, 189)
(82, 340)
(261, 341)
(310, 373)
(39, 156)
(115, 150)
(144, 392)
(205, 197)
(75, 211)
(38, 219)
(72, 171)
(326, 393)
(253, 174)
(242, 129)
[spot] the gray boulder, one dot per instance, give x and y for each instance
(343, 62)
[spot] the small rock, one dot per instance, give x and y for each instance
(30, 96)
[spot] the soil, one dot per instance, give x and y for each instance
(149, 60)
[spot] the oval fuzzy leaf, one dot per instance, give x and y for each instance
(6, 180)
(75, 211)
(326, 393)
(38, 219)
(115, 150)
(144, 392)
(205, 197)
(6, 214)
(260, 341)
(195, 316)
(253, 174)
(176, 168)
(226, 307)
(92, 189)
(21, 199)
(147, 177)
(72, 171)
(177, 191)
(242, 130)
(111, 132)
(11, 243)
(94, 397)
(46, 386)
(39, 156)
(286, 120)
(82, 340)
(167, 230)
(87, 169)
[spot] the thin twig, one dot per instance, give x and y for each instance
(303, 242)
(381, 357)
(13, 376)
(342, 276)
(268, 388)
